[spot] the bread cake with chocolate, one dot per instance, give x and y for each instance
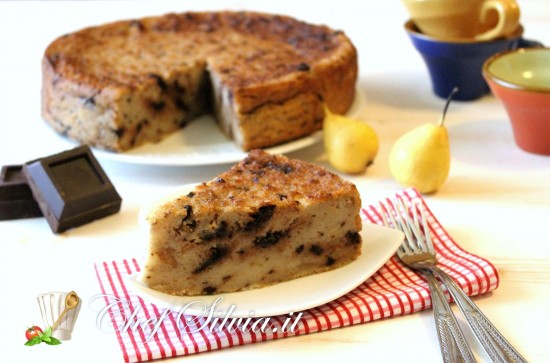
(264, 77)
(266, 220)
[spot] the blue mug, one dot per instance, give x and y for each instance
(459, 63)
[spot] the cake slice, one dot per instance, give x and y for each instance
(266, 220)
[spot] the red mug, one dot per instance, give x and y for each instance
(519, 80)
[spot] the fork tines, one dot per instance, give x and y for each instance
(410, 218)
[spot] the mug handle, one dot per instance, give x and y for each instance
(508, 18)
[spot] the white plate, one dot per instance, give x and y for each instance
(379, 244)
(201, 142)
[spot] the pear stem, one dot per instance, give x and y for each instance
(453, 92)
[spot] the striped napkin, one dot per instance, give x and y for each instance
(146, 331)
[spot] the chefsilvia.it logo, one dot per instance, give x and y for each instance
(123, 315)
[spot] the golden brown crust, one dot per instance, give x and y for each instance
(259, 60)
(265, 179)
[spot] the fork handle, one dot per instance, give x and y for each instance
(454, 347)
(494, 343)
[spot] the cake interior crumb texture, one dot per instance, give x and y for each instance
(266, 220)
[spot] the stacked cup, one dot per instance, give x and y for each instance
(455, 38)
(465, 20)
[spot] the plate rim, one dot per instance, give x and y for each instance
(230, 157)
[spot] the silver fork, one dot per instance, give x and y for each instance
(418, 252)
(453, 344)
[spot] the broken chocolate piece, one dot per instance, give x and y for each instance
(269, 239)
(71, 188)
(16, 200)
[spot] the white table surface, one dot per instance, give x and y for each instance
(495, 203)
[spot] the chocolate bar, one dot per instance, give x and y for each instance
(71, 188)
(16, 200)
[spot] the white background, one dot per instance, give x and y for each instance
(494, 203)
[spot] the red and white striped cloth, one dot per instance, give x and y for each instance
(146, 332)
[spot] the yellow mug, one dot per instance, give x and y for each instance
(464, 19)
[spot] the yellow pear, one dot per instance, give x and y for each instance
(421, 158)
(351, 145)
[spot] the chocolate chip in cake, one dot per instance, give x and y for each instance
(188, 212)
(353, 237)
(330, 261)
(157, 105)
(259, 218)
(90, 101)
(180, 90)
(316, 250)
(139, 127)
(160, 82)
(181, 122)
(300, 249)
(191, 225)
(180, 104)
(120, 131)
(269, 239)
(285, 168)
(215, 255)
(187, 222)
(221, 231)
(209, 290)
(303, 67)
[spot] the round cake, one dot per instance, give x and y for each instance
(264, 77)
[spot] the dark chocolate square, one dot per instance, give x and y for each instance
(71, 188)
(16, 200)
